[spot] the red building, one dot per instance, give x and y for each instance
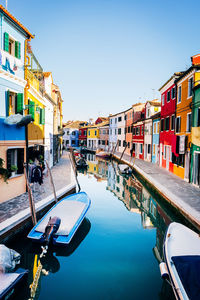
(138, 133)
(83, 136)
(167, 128)
(100, 120)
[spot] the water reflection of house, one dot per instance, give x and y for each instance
(149, 210)
(92, 163)
(102, 169)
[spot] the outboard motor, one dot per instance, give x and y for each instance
(51, 228)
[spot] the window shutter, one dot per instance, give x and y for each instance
(20, 103)
(20, 161)
(16, 49)
(19, 50)
(6, 41)
(7, 103)
(43, 116)
(9, 159)
(32, 109)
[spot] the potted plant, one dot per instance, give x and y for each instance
(13, 170)
(4, 173)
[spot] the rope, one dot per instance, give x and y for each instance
(37, 272)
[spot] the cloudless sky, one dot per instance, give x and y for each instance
(106, 55)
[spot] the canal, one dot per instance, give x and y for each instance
(116, 251)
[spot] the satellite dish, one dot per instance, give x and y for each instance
(13, 119)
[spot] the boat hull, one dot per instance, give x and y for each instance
(71, 210)
(181, 248)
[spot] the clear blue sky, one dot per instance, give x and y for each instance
(106, 55)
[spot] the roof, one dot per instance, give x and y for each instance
(187, 72)
(154, 102)
(175, 75)
(11, 17)
(73, 124)
(47, 74)
(113, 115)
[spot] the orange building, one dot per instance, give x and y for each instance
(184, 86)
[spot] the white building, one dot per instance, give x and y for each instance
(48, 130)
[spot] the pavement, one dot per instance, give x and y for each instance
(16, 210)
(182, 195)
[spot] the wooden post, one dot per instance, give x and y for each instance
(30, 197)
(115, 147)
(75, 172)
(52, 183)
(123, 152)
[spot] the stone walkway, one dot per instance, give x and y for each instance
(63, 178)
(181, 194)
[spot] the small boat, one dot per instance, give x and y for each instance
(182, 261)
(11, 283)
(103, 154)
(124, 169)
(62, 221)
(81, 163)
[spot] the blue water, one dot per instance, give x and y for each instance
(111, 256)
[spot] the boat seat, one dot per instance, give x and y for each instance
(188, 268)
(68, 211)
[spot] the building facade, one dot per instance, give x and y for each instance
(155, 138)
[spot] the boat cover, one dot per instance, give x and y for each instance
(188, 268)
(6, 280)
(68, 211)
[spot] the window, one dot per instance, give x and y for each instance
(154, 149)
(148, 112)
(189, 119)
(141, 148)
(172, 122)
(42, 116)
(133, 146)
(167, 123)
(124, 143)
(85, 132)
(133, 130)
(163, 99)
(115, 120)
(198, 117)
(110, 121)
(119, 130)
(190, 87)
(149, 148)
(15, 157)
(162, 124)
(129, 129)
(95, 133)
(137, 130)
(119, 119)
(178, 124)
(73, 142)
(179, 94)
(128, 144)
(73, 133)
(158, 127)
(115, 131)
(125, 117)
(173, 93)
(119, 143)
(14, 103)
(89, 132)
(165, 151)
(11, 46)
(168, 96)
(142, 130)
(154, 127)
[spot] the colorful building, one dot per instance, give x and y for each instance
(112, 131)
(138, 131)
(155, 138)
(83, 136)
(104, 136)
(151, 108)
(128, 129)
(167, 128)
(12, 138)
(195, 132)
(185, 85)
(93, 137)
(121, 130)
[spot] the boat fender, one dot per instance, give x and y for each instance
(163, 270)
(51, 228)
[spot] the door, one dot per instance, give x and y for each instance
(187, 165)
(196, 169)
(167, 157)
(160, 155)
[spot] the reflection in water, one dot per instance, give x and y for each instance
(137, 199)
(30, 256)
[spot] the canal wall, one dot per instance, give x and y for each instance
(15, 214)
(178, 193)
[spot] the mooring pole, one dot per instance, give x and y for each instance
(123, 152)
(75, 172)
(52, 183)
(30, 197)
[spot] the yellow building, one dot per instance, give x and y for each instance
(93, 137)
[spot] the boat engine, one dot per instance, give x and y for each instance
(51, 228)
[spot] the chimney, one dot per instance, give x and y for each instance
(195, 60)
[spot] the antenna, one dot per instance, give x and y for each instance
(6, 3)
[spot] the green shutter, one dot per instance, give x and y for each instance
(6, 41)
(43, 116)
(7, 103)
(19, 50)
(16, 49)
(20, 103)
(40, 115)
(32, 109)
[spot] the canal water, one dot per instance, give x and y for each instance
(116, 251)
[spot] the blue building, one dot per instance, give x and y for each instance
(13, 38)
(155, 138)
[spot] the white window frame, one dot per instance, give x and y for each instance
(187, 130)
(141, 148)
(179, 94)
(190, 87)
(163, 99)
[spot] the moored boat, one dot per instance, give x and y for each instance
(103, 154)
(62, 220)
(182, 261)
(124, 169)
